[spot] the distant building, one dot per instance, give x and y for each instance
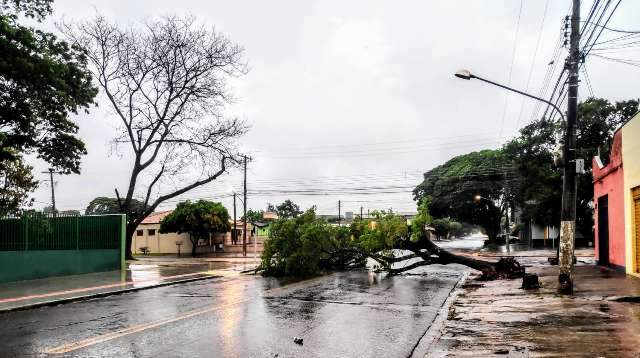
(148, 237)
(616, 189)
(263, 228)
(269, 216)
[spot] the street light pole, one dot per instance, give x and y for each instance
(568, 213)
(466, 75)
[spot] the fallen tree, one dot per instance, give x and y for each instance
(306, 246)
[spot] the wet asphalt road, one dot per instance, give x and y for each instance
(351, 314)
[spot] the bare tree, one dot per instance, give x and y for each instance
(166, 81)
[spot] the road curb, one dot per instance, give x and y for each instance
(426, 343)
(101, 294)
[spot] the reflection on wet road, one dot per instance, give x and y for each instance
(345, 314)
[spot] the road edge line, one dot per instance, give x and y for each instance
(63, 301)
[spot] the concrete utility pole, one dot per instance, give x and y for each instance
(244, 223)
(506, 213)
(234, 234)
(338, 212)
(53, 194)
(568, 214)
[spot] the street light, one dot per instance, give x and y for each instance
(467, 75)
(479, 197)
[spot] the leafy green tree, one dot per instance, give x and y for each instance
(445, 227)
(42, 81)
(254, 215)
(199, 219)
(16, 182)
(103, 205)
(532, 153)
(288, 209)
(441, 227)
(303, 246)
(453, 186)
(421, 220)
(455, 228)
(306, 246)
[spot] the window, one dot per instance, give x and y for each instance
(139, 232)
(151, 232)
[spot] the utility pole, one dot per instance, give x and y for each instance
(338, 212)
(506, 212)
(234, 234)
(53, 194)
(568, 214)
(244, 223)
(361, 213)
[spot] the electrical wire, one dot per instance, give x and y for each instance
(513, 59)
(533, 61)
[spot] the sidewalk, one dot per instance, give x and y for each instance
(498, 318)
(145, 272)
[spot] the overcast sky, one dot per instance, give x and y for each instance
(345, 94)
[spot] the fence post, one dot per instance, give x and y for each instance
(78, 232)
(123, 242)
(26, 233)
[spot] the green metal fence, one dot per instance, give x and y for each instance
(36, 245)
(40, 232)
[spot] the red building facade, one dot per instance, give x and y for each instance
(608, 193)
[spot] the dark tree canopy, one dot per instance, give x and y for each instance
(166, 81)
(37, 9)
(199, 219)
(445, 227)
(103, 205)
(532, 153)
(453, 186)
(254, 215)
(42, 81)
(288, 209)
(16, 182)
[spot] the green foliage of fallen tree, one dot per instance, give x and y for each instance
(307, 245)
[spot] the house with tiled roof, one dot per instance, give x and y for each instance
(147, 238)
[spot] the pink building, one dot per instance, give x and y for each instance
(608, 193)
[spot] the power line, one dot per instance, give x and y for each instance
(618, 30)
(587, 80)
(513, 59)
(551, 69)
(533, 61)
(626, 62)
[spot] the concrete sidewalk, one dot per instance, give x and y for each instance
(147, 272)
(498, 318)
